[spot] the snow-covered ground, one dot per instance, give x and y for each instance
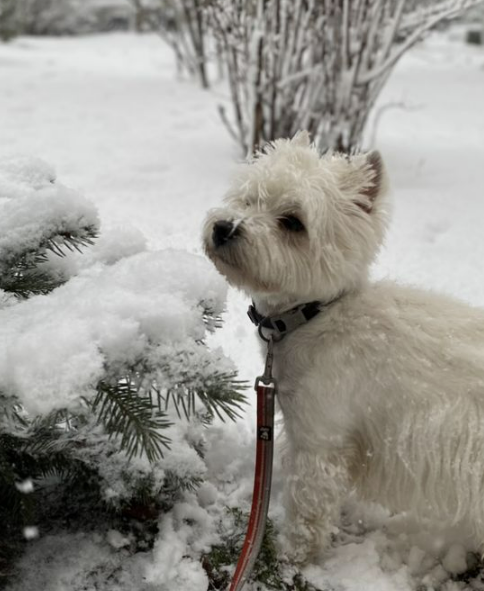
(150, 152)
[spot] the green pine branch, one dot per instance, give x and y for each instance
(21, 459)
(73, 241)
(220, 394)
(211, 319)
(22, 274)
(12, 416)
(223, 394)
(47, 434)
(269, 572)
(23, 277)
(133, 418)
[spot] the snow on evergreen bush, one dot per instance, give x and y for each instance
(142, 309)
(33, 210)
(106, 382)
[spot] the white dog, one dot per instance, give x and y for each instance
(382, 392)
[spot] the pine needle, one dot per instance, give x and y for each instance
(133, 418)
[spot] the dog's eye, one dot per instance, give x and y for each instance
(291, 223)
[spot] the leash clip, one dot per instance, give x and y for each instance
(267, 379)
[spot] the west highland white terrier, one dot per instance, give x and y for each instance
(382, 391)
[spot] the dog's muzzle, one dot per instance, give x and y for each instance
(223, 232)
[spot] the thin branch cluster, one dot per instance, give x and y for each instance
(317, 65)
(183, 25)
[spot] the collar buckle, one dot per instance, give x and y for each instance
(283, 323)
(289, 320)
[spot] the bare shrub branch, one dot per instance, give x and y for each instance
(315, 64)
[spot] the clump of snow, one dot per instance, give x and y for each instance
(31, 532)
(455, 560)
(21, 174)
(78, 562)
(121, 478)
(185, 532)
(207, 494)
(416, 558)
(115, 244)
(116, 539)
(146, 304)
(377, 551)
(34, 208)
(112, 245)
(25, 486)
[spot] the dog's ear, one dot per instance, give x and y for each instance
(301, 139)
(374, 181)
(362, 178)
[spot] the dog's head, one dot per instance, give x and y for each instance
(297, 225)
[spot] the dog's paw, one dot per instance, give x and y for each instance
(303, 542)
(293, 552)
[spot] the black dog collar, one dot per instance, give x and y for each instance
(287, 321)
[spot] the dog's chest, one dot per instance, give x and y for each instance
(315, 398)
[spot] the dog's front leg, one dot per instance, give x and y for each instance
(315, 488)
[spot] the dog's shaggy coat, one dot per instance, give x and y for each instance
(382, 392)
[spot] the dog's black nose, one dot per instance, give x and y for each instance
(223, 231)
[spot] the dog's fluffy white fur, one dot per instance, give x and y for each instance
(382, 392)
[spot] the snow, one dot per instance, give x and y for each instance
(142, 306)
(185, 532)
(120, 478)
(27, 185)
(150, 152)
(21, 175)
(454, 560)
(31, 532)
(116, 539)
(75, 561)
(26, 486)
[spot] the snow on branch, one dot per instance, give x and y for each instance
(423, 19)
(38, 216)
(54, 350)
(317, 65)
(182, 24)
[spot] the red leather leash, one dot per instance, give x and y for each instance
(265, 387)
